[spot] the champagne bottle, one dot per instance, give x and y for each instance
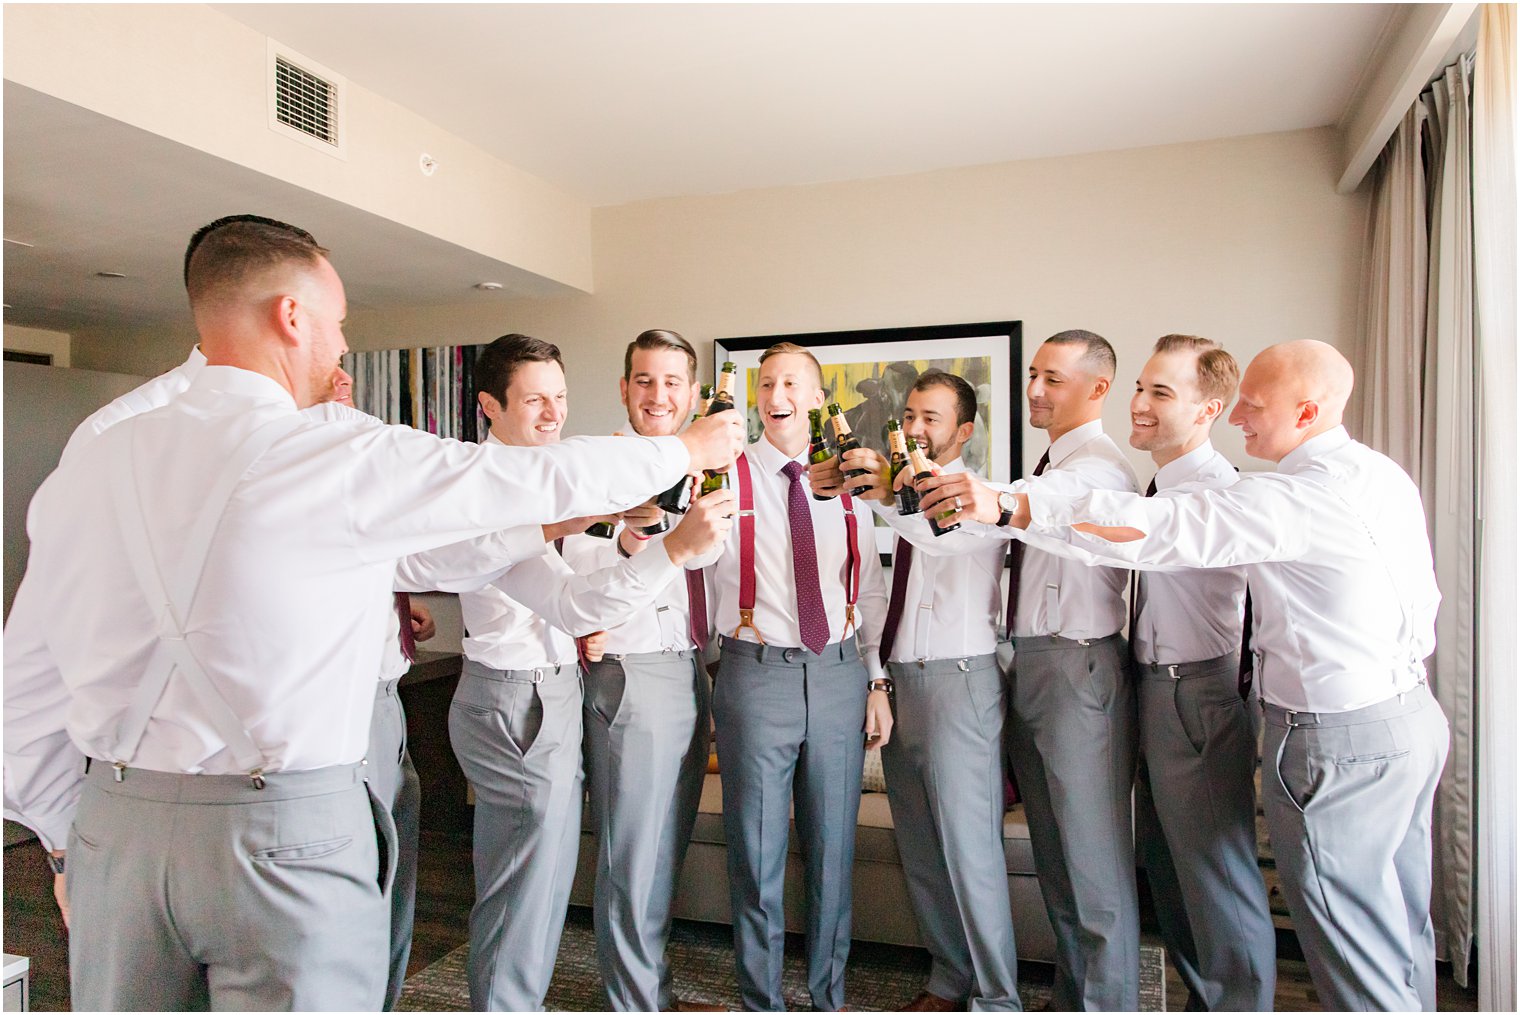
(907, 497)
(678, 498)
(818, 445)
(722, 400)
(844, 439)
(602, 530)
(919, 463)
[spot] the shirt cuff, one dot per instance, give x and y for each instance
(872, 658)
(53, 829)
(652, 567)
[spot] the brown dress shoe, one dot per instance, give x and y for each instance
(683, 1005)
(932, 1002)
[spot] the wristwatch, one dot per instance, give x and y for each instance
(881, 684)
(1008, 503)
(56, 862)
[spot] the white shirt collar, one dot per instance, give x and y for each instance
(195, 361)
(1323, 444)
(1174, 472)
(1063, 448)
(236, 381)
(771, 458)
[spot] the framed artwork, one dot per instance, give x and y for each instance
(870, 372)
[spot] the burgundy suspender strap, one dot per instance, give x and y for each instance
(746, 550)
(747, 555)
(851, 563)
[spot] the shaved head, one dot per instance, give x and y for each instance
(1290, 393)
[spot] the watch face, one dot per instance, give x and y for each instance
(1007, 501)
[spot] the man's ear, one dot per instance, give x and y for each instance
(1100, 387)
(488, 405)
(1212, 409)
(1308, 415)
(289, 319)
(964, 431)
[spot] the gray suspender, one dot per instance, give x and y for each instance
(173, 595)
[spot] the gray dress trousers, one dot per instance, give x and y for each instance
(1348, 798)
(202, 892)
(517, 735)
(646, 744)
(944, 768)
(394, 781)
(1195, 807)
(790, 728)
(1072, 747)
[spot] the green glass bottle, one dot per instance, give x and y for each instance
(919, 463)
(907, 497)
(602, 530)
(722, 400)
(678, 498)
(818, 444)
(844, 439)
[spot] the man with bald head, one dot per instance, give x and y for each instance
(188, 695)
(1343, 606)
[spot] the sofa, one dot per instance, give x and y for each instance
(882, 910)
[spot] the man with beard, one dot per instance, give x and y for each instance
(646, 716)
(944, 764)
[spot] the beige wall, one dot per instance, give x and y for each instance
(193, 75)
(1243, 240)
(39, 340)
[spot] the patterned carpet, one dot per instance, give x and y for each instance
(879, 977)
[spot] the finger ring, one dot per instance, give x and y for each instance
(957, 503)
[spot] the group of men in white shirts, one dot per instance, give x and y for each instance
(194, 727)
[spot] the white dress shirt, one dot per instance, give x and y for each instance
(146, 397)
(1058, 595)
(1191, 615)
(953, 602)
(296, 587)
(663, 625)
(775, 583)
(530, 617)
(1343, 591)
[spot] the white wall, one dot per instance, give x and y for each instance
(1243, 240)
(39, 340)
(193, 75)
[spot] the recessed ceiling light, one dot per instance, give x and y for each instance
(109, 274)
(489, 287)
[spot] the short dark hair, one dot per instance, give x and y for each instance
(1099, 357)
(1218, 373)
(223, 253)
(965, 395)
(498, 361)
(657, 339)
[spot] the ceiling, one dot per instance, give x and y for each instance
(619, 103)
(93, 194)
(622, 103)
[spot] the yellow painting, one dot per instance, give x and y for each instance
(872, 393)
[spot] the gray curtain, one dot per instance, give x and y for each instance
(1417, 377)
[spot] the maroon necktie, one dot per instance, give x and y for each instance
(812, 620)
(1016, 560)
(696, 610)
(902, 562)
(404, 613)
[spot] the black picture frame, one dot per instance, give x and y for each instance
(995, 347)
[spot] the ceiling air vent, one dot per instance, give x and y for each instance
(305, 101)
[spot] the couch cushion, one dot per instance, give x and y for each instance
(875, 838)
